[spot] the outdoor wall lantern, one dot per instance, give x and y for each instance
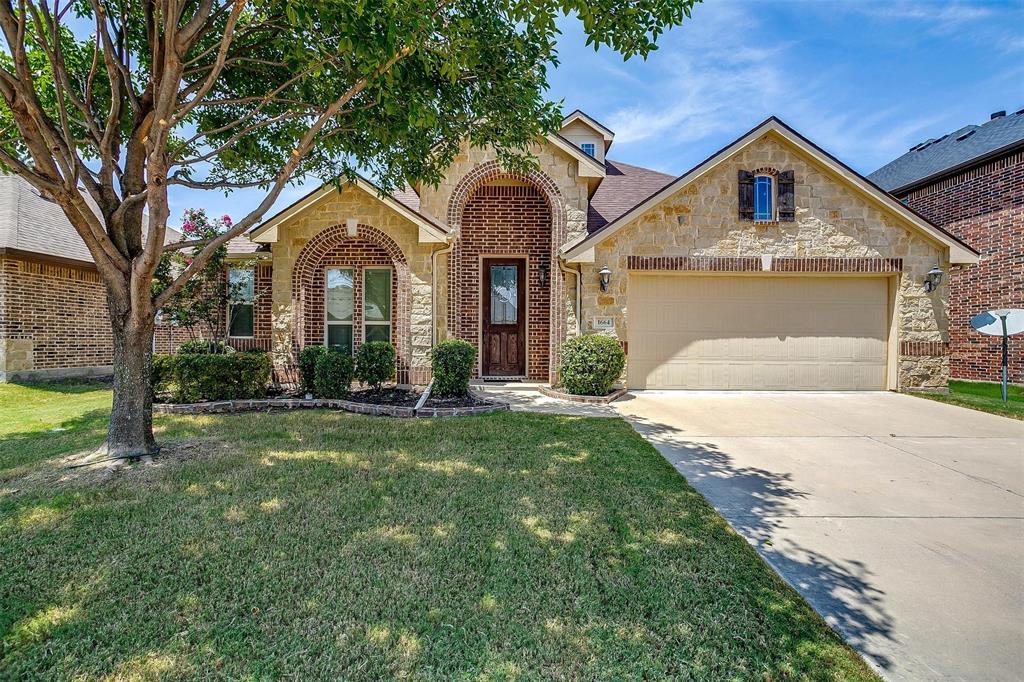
(606, 277)
(542, 274)
(933, 279)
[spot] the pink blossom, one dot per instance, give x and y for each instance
(226, 219)
(188, 227)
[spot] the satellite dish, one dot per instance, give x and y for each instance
(990, 322)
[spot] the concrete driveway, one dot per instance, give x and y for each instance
(901, 520)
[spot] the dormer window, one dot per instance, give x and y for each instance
(589, 148)
(764, 207)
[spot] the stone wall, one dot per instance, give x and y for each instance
(374, 218)
(984, 206)
(832, 221)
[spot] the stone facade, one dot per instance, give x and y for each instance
(832, 222)
(984, 206)
(318, 237)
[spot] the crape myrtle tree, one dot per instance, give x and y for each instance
(108, 104)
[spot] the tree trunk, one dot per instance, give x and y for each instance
(131, 419)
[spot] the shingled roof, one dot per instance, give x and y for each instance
(935, 157)
(624, 186)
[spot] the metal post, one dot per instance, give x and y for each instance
(1005, 356)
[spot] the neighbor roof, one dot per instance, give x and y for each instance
(959, 251)
(966, 146)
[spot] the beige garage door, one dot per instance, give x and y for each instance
(757, 333)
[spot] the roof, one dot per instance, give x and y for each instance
(959, 251)
(406, 203)
(31, 224)
(624, 186)
(936, 157)
(579, 115)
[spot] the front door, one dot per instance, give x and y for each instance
(504, 318)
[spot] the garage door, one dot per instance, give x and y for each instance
(757, 333)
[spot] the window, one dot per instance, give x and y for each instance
(504, 294)
(589, 148)
(764, 206)
(377, 304)
(241, 297)
(338, 309)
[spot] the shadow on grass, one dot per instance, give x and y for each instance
(21, 451)
(753, 499)
(324, 545)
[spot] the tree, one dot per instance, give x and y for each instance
(203, 304)
(107, 104)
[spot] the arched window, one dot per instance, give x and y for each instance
(764, 193)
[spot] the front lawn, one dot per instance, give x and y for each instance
(985, 396)
(321, 545)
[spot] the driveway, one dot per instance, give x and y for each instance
(901, 520)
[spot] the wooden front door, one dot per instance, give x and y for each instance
(504, 317)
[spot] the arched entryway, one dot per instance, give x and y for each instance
(347, 289)
(503, 271)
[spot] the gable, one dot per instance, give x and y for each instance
(758, 142)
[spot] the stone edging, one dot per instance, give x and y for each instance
(226, 406)
(587, 399)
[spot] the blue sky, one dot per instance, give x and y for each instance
(865, 80)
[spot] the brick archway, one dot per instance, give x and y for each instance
(335, 247)
(457, 278)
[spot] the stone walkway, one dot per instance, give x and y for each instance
(524, 397)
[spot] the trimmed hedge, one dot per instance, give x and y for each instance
(202, 346)
(307, 366)
(452, 365)
(201, 377)
(162, 373)
(333, 375)
(591, 364)
(375, 363)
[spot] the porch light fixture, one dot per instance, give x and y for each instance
(606, 277)
(933, 279)
(543, 270)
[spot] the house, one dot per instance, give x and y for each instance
(971, 183)
(53, 304)
(770, 265)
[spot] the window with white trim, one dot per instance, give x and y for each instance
(589, 148)
(377, 304)
(764, 194)
(338, 307)
(241, 302)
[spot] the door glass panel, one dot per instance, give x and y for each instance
(377, 297)
(339, 295)
(339, 337)
(504, 294)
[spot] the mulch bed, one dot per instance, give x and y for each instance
(398, 397)
(458, 401)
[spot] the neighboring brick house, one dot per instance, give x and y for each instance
(971, 182)
(53, 304)
(770, 265)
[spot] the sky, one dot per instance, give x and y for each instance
(866, 80)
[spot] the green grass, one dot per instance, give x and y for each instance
(983, 395)
(319, 545)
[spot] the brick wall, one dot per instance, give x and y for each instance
(505, 218)
(984, 206)
(167, 337)
(53, 316)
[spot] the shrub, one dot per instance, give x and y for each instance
(235, 376)
(591, 364)
(202, 346)
(307, 366)
(375, 363)
(333, 374)
(162, 373)
(452, 364)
